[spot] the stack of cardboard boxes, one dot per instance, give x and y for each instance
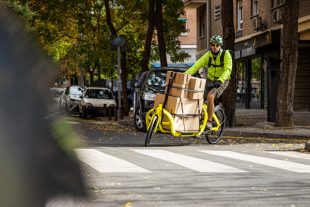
(184, 100)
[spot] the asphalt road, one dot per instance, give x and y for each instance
(189, 172)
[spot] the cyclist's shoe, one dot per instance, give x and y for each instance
(209, 125)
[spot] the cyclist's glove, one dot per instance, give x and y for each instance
(217, 84)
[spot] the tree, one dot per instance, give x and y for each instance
(229, 95)
(160, 33)
(149, 35)
(289, 47)
(164, 15)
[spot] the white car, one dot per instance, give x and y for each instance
(70, 98)
(94, 101)
(56, 94)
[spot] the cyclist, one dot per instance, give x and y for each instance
(219, 63)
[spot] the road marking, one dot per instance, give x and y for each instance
(105, 163)
(282, 164)
(291, 154)
(192, 163)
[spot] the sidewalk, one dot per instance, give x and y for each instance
(253, 123)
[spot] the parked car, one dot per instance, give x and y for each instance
(93, 101)
(71, 98)
(56, 94)
(146, 87)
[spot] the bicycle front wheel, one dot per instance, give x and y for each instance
(214, 137)
(151, 130)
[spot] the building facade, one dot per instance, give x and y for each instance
(258, 27)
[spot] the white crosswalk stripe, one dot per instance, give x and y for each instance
(105, 163)
(192, 163)
(281, 164)
(291, 154)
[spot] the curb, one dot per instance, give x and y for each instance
(241, 133)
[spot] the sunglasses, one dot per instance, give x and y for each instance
(215, 45)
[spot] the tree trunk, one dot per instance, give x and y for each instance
(149, 36)
(91, 77)
(108, 18)
(160, 33)
(289, 47)
(229, 95)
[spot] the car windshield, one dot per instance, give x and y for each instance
(157, 79)
(56, 92)
(76, 91)
(98, 94)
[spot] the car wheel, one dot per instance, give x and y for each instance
(139, 121)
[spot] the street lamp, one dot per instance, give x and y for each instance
(119, 42)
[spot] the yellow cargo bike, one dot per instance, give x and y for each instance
(158, 119)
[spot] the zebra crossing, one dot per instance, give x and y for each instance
(120, 160)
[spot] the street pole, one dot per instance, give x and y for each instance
(119, 84)
(119, 43)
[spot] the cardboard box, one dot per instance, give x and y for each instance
(186, 124)
(197, 83)
(177, 107)
(180, 78)
(196, 88)
(159, 99)
(178, 90)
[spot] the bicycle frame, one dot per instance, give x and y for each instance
(161, 112)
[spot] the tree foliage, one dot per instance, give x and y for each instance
(75, 33)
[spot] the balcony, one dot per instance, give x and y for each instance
(194, 3)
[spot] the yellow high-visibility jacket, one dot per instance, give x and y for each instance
(216, 70)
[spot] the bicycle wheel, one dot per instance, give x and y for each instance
(151, 130)
(214, 136)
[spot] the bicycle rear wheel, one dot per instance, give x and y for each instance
(151, 130)
(214, 136)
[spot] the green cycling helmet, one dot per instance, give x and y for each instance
(217, 39)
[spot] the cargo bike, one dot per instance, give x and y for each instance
(158, 119)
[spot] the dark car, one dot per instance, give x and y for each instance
(149, 83)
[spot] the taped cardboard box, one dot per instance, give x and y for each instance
(196, 88)
(178, 90)
(180, 78)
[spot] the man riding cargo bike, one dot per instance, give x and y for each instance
(181, 111)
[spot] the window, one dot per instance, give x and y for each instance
(217, 12)
(98, 94)
(201, 26)
(276, 3)
(183, 21)
(239, 15)
(254, 6)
